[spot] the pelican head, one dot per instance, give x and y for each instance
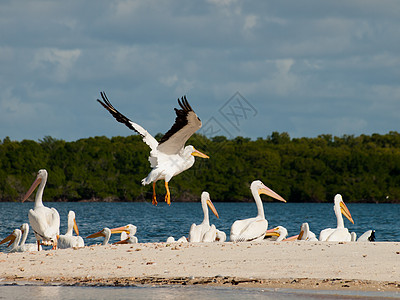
(12, 237)
(71, 216)
(343, 208)
(205, 197)
(41, 176)
(279, 231)
(260, 187)
(190, 149)
(129, 229)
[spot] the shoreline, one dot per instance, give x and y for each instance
(293, 265)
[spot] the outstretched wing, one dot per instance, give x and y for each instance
(147, 138)
(186, 123)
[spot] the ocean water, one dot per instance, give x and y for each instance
(157, 223)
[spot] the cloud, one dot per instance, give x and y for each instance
(309, 68)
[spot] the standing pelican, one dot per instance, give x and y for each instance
(170, 157)
(45, 222)
(197, 232)
(254, 229)
(68, 240)
(340, 233)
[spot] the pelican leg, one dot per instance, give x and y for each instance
(168, 195)
(38, 245)
(154, 201)
(54, 245)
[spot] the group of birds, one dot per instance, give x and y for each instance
(168, 157)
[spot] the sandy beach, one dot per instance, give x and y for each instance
(304, 265)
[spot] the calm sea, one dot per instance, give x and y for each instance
(157, 223)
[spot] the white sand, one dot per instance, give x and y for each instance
(297, 264)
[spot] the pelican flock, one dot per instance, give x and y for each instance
(170, 157)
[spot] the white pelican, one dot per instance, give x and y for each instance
(105, 232)
(254, 229)
(127, 234)
(68, 240)
(197, 232)
(182, 239)
(306, 234)
(368, 236)
(277, 234)
(340, 233)
(45, 222)
(221, 236)
(169, 157)
(27, 247)
(18, 243)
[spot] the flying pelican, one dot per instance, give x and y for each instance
(340, 233)
(45, 222)
(306, 234)
(170, 157)
(127, 234)
(197, 232)
(68, 240)
(17, 240)
(277, 234)
(254, 229)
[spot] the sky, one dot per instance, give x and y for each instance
(248, 68)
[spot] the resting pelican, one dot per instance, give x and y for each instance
(170, 157)
(105, 232)
(277, 234)
(18, 243)
(182, 239)
(197, 232)
(368, 236)
(68, 240)
(127, 234)
(254, 229)
(45, 222)
(340, 233)
(306, 234)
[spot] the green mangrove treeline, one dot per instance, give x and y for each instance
(361, 168)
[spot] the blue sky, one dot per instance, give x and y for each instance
(302, 67)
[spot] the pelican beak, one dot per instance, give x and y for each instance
(212, 207)
(76, 228)
(122, 242)
(120, 230)
(292, 238)
(95, 235)
(345, 211)
(199, 154)
(10, 238)
(267, 191)
(32, 188)
(300, 236)
(272, 232)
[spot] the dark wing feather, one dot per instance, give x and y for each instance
(147, 138)
(186, 123)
